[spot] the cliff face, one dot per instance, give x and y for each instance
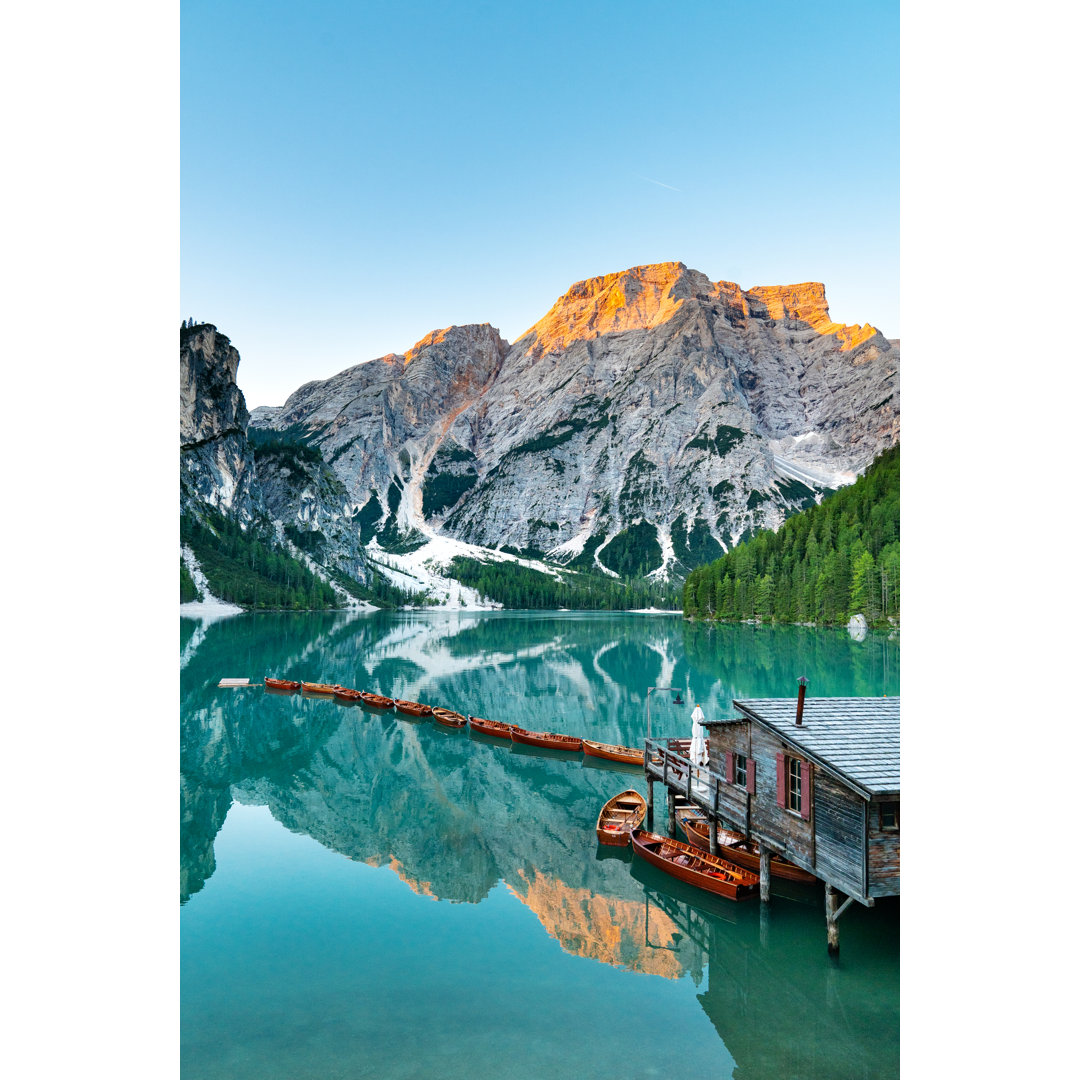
(649, 420)
(380, 425)
(282, 490)
(217, 466)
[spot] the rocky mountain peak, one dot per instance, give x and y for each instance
(647, 422)
(644, 297)
(216, 461)
(211, 405)
(640, 298)
(805, 303)
(456, 340)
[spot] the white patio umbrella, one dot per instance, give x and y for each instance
(699, 748)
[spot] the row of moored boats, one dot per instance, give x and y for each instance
(733, 872)
(548, 740)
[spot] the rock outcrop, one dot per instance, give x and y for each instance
(281, 489)
(217, 466)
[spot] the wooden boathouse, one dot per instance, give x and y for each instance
(814, 780)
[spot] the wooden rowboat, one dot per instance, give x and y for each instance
(448, 717)
(490, 727)
(376, 701)
(695, 867)
(318, 688)
(546, 739)
(611, 752)
(343, 693)
(281, 684)
(735, 848)
(619, 817)
(413, 708)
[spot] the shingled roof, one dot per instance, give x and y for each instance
(856, 738)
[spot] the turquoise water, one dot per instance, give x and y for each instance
(366, 895)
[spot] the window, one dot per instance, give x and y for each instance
(794, 784)
(740, 770)
(889, 815)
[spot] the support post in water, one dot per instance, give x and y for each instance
(765, 873)
(649, 814)
(832, 925)
(671, 812)
(713, 846)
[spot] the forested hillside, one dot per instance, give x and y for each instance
(516, 586)
(822, 565)
(246, 567)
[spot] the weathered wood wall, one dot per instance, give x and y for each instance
(841, 843)
(884, 854)
(784, 831)
(840, 833)
(735, 803)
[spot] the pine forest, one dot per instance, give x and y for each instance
(823, 565)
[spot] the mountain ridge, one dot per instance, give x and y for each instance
(649, 420)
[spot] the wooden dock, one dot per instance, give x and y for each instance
(816, 782)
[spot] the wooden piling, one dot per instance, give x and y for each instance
(714, 847)
(671, 812)
(649, 813)
(832, 924)
(765, 872)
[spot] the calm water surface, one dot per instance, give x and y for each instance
(365, 895)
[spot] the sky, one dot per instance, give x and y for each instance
(356, 174)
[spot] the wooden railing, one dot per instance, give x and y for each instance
(666, 760)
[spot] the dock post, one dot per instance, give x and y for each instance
(763, 925)
(671, 812)
(832, 925)
(648, 814)
(766, 873)
(713, 847)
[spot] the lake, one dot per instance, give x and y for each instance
(369, 895)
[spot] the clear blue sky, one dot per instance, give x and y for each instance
(356, 174)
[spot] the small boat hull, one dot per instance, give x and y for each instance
(412, 708)
(319, 688)
(619, 817)
(731, 847)
(547, 739)
(343, 693)
(495, 728)
(610, 752)
(289, 686)
(694, 866)
(376, 701)
(449, 718)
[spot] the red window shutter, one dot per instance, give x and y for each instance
(750, 771)
(781, 780)
(729, 767)
(804, 809)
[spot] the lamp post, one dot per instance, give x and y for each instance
(648, 715)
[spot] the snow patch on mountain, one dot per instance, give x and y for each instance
(208, 607)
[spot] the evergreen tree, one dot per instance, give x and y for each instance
(836, 558)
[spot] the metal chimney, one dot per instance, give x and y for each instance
(802, 698)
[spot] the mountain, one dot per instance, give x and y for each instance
(252, 516)
(646, 423)
(217, 467)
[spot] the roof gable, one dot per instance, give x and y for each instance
(857, 738)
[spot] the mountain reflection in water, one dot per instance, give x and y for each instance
(453, 814)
